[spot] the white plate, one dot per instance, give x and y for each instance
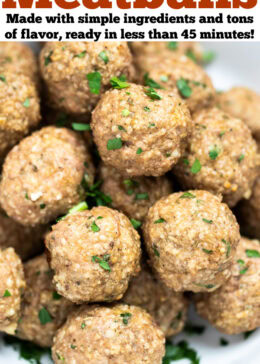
(235, 64)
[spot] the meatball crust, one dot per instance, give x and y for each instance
(43, 309)
(133, 197)
(113, 335)
(244, 104)
(11, 287)
(37, 181)
(235, 307)
(18, 58)
(139, 136)
(181, 75)
(93, 253)
(191, 238)
(25, 240)
(221, 156)
(67, 69)
(168, 308)
(19, 109)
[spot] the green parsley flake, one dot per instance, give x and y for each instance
(42, 206)
(155, 250)
(186, 162)
(222, 133)
(114, 144)
(103, 263)
(26, 103)
(80, 127)
(241, 157)
(251, 253)
(2, 78)
(56, 296)
(44, 316)
(147, 109)
(104, 57)
(159, 221)
(139, 151)
(95, 228)
(207, 251)
(207, 221)
(196, 167)
(26, 196)
(81, 54)
(120, 127)
(164, 78)
(213, 153)
(243, 269)
(228, 247)
(94, 82)
(184, 88)
(7, 293)
(126, 317)
(187, 195)
(153, 94)
(83, 325)
(150, 82)
(189, 53)
(73, 346)
(172, 46)
(208, 57)
(125, 112)
(47, 60)
(136, 224)
(142, 196)
(223, 341)
(178, 351)
(118, 83)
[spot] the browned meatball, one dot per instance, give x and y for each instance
(93, 253)
(18, 58)
(243, 104)
(77, 73)
(133, 196)
(11, 288)
(191, 238)
(180, 74)
(43, 309)
(139, 133)
(19, 108)
(168, 308)
(114, 335)
(42, 176)
(235, 307)
(26, 241)
(221, 156)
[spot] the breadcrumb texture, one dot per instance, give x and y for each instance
(79, 243)
(152, 139)
(235, 307)
(113, 335)
(191, 238)
(12, 285)
(42, 176)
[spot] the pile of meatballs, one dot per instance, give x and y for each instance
(172, 172)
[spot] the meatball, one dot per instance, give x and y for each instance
(26, 241)
(179, 74)
(221, 156)
(133, 196)
(18, 58)
(235, 307)
(19, 109)
(244, 104)
(42, 176)
(43, 309)
(93, 253)
(115, 335)
(140, 131)
(142, 50)
(248, 212)
(11, 287)
(77, 73)
(168, 308)
(191, 238)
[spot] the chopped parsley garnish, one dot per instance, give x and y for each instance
(150, 82)
(95, 197)
(103, 263)
(125, 112)
(104, 57)
(95, 228)
(213, 153)
(94, 82)
(47, 60)
(73, 346)
(222, 133)
(189, 53)
(153, 94)
(179, 351)
(159, 221)
(228, 247)
(44, 316)
(251, 253)
(79, 207)
(164, 78)
(241, 157)
(83, 325)
(142, 196)
(223, 341)
(26, 102)
(196, 167)
(155, 250)
(2, 78)
(147, 109)
(136, 224)
(114, 144)
(151, 125)
(118, 83)
(208, 57)
(187, 195)
(26, 196)
(120, 127)
(42, 206)
(207, 221)
(184, 88)
(172, 46)
(186, 162)
(7, 293)
(56, 296)
(126, 317)
(139, 151)
(81, 54)
(207, 251)
(248, 333)
(80, 127)
(192, 329)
